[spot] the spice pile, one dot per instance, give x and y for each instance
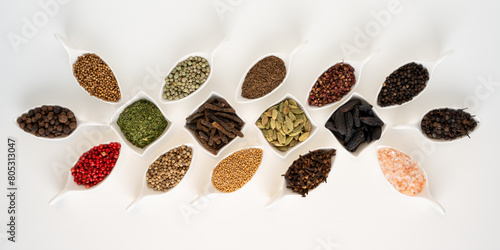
(403, 84)
(215, 124)
(332, 85)
(94, 165)
(95, 76)
(48, 121)
(355, 123)
(186, 77)
(142, 123)
(234, 171)
(284, 125)
(447, 124)
(310, 170)
(169, 169)
(263, 77)
(402, 171)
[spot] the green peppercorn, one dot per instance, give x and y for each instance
(186, 78)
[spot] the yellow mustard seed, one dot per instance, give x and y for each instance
(234, 171)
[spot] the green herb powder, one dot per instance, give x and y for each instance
(142, 123)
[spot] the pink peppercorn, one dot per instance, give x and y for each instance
(95, 164)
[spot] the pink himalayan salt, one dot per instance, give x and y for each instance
(403, 172)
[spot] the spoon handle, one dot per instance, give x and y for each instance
(64, 42)
(210, 192)
(276, 197)
(436, 205)
(219, 46)
(405, 127)
(443, 56)
(438, 60)
(58, 197)
(134, 203)
(282, 192)
(369, 57)
(298, 48)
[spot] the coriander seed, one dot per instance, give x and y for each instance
(96, 77)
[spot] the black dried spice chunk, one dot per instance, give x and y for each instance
(371, 121)
(215, 124)
(356, 125)
(355, 141)
(349, 123)
(349, 105)
(355, 116)
(310, 170)
(403, 84)
(447, 124)
(340, 122)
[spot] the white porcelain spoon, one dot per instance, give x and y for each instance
(73, 55)
(147, 191)
(209, 56)
(416, 125)
(287, 60)
(358, 68)
(71, 185)
(430, 66)
(79, 123)
(424, 192)
(211, 191)
(283, 191)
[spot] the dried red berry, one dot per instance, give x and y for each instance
(332, 85)
(95, 164)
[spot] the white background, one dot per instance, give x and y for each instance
(356, 209)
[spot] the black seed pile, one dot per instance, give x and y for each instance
(447, 124)
(403, 84)
(355, 123)
(310, 170)
(48, 121)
